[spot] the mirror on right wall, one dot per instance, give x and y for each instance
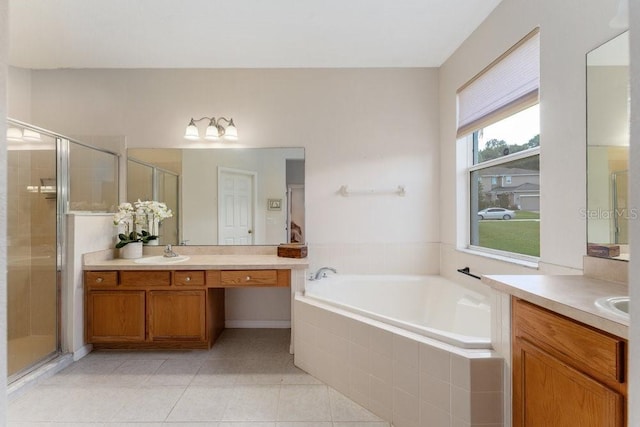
(608, 211)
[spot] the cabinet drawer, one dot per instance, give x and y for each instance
(145, 278)
(249, 278)
(188, 278)
(576, 344)
(101, 278)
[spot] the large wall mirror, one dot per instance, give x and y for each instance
(223, 196)
(608, 211)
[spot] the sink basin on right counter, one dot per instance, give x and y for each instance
(618, 305)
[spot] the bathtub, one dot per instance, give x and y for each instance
(414, 350)
(428, 305)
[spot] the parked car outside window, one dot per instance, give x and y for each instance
(496, 213)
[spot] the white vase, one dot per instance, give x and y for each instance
(154, 242)
(131, 250)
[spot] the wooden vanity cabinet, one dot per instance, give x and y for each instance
(164, 308)
(147, 309)
(176, 315)
(565, 373)
(115, 316)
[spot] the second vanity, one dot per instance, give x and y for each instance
(130, 304)
(569, 356)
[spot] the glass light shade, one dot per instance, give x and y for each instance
(14, 134)
(231, 132)
(30, 135)
(191, 132)
(621, 20)
(211, 133)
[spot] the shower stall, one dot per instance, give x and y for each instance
(48, 175)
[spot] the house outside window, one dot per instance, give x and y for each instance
(508, 182)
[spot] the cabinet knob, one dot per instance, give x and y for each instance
(247, 278)
(187, 279)
(99, 279)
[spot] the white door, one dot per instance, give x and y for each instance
(295, 214)
(235, 206)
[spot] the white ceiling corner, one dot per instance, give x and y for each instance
(239, 33)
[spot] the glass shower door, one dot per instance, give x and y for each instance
(32, 242)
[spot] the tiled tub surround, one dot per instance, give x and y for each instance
(405, 378)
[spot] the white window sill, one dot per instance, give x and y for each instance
(533, 264)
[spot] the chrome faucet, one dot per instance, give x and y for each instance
(168, 252)
(323, 273)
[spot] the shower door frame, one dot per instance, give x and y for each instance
(64, 301)
(61, 192)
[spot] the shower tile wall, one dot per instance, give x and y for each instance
(31, 244)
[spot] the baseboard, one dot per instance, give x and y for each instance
(258, 324)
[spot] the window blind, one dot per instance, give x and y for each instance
(508, 85)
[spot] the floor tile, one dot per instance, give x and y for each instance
(88, 404)
(265, 370)
(304, 424)
(248, 379)
(147, 404)
(304, 403)
(253, 403)
(175, 372)
(344, 409)
(214, 372)
(201, 404)
(246, 424)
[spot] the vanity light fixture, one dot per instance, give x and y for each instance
(17, 135)
(215, 130)
(621, 20)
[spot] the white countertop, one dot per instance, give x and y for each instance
(571, 296)
(200, 258)
(205, 262)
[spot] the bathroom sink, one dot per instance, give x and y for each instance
(618, 305)
(160, 259)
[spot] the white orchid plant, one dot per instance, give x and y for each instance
(145, 216)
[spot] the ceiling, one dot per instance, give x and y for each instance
(239, 33)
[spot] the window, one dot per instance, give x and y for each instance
(503, 134)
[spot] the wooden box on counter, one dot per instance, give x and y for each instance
(603, 250)
(292, 250)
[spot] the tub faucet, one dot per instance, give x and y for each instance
(168, 252)
(323, 273)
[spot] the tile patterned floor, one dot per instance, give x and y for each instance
(246, 380)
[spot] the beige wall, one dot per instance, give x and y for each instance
(568, 30)
(366, 128)
(19, 94)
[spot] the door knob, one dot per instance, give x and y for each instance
(249, 231)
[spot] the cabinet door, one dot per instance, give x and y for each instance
(177, 315)
(115, 316)
(547, 392)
